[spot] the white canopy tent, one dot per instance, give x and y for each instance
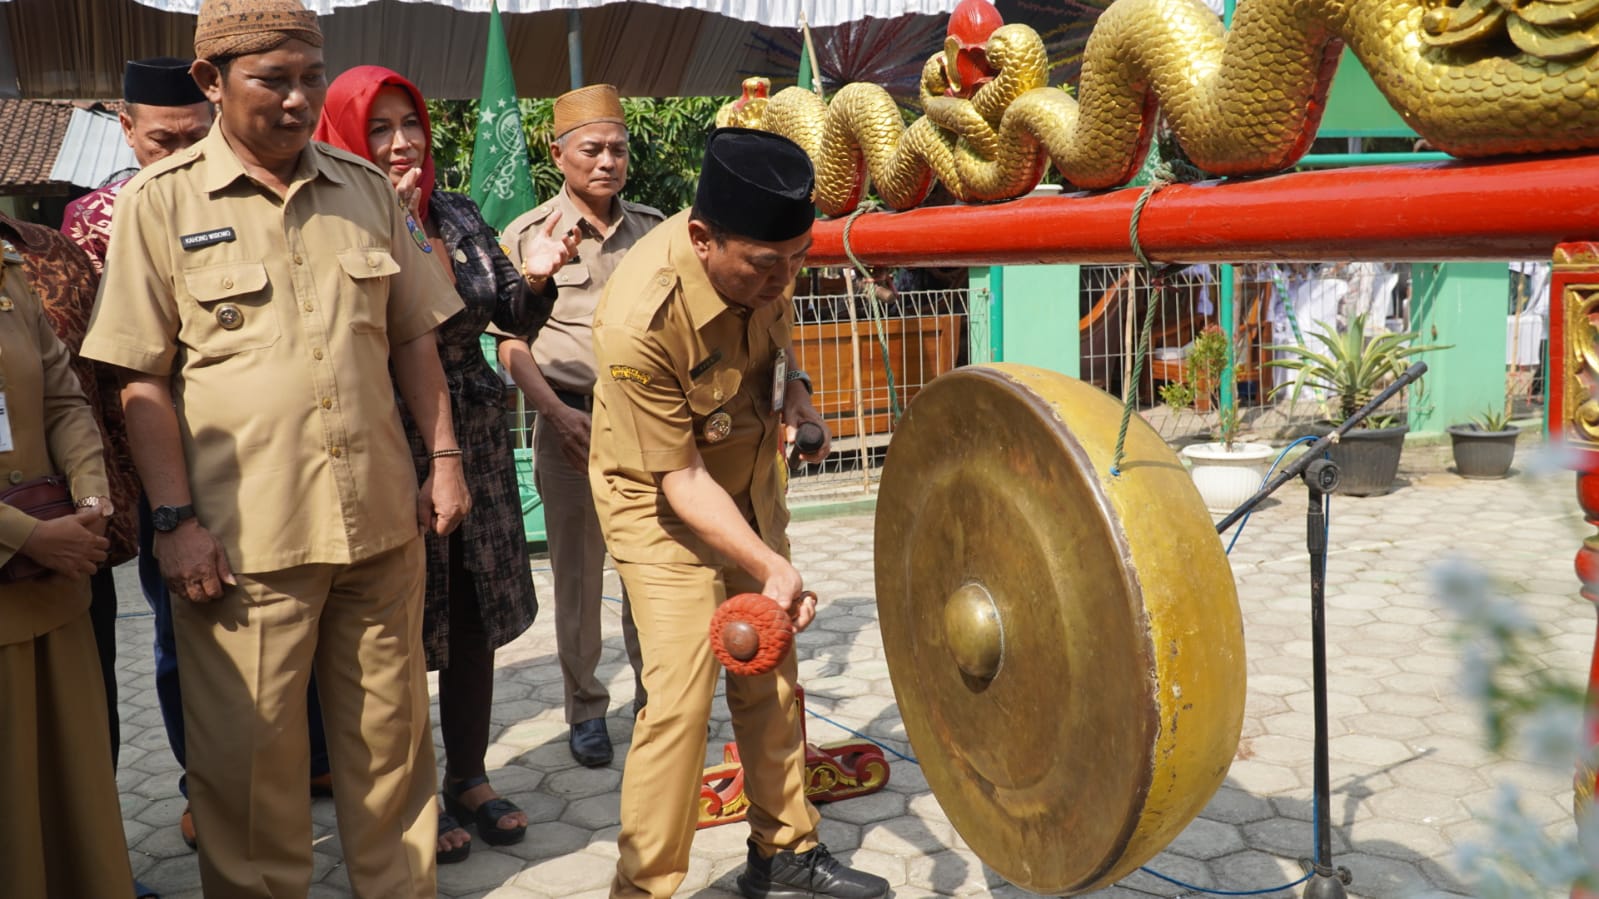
(772, 13)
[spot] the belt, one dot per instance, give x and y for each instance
(582, 402)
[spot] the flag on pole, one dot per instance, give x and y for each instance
(502, 176)
(808, 78)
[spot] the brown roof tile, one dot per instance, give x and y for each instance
(30, 136)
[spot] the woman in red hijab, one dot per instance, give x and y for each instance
(479, 587)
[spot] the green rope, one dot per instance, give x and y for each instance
(1157, 280)
(873, 307)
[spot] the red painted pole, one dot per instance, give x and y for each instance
(1570, 388)
(1516, 209)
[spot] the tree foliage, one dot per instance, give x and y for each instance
(666, 140)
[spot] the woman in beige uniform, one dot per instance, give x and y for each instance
(61, 834)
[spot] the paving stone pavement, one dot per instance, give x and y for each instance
(1409, 773)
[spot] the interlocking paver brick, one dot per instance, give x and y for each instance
(1409, 767)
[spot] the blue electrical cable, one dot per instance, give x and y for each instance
(1263, 482)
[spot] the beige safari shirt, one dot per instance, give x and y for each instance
(275, 319)
(564, 347)
(52, 431)
(671, 354)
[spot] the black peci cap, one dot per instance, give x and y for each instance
(756, 184)
(163, 81)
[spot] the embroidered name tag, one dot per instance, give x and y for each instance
(629, 373)
(206, 238)
(705, 366)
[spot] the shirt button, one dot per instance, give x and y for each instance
(227, 283)
(308, 307)
(316, 354)
(371, 262)
(717, 394)
(327, 403)
(298, 260)
(335, 452)
(16, 477)
(663, 280)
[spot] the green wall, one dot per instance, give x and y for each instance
(1030, 316)
(1462, 305)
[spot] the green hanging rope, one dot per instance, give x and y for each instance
(1157, 281)
(874, 308)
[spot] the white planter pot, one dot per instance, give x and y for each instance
(1225, 479)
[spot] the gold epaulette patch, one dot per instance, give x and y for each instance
(629, 373)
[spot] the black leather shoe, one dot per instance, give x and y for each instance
(789, 875)
(590, 743)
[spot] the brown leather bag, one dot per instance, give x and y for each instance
(43, 498)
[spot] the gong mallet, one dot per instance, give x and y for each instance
(750, 633)
(808, 438)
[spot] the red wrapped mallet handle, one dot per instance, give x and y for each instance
(750, 633)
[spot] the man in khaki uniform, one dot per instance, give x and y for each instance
(692, 405)
(258, 290)
(557, 375)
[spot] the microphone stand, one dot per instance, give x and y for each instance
(1321, 480)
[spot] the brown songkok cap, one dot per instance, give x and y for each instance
(586, 106)
(163, 81)
(757, 185)
(237, 27)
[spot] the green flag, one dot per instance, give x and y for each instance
(502, 178)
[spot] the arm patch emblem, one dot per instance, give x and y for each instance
(629, 373)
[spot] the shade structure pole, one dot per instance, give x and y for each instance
(574, 45)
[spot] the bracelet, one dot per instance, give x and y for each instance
(444, 453)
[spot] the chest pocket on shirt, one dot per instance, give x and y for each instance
(572, 276)
(714, 391)
(234, 313)
(370, 269)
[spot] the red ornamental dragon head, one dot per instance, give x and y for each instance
(965, 55)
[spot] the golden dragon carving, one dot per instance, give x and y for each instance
(1474, 77)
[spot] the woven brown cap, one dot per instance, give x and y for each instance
(587, 105)
(237, 27)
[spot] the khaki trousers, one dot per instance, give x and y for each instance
(672, 605)
(61, 829)
(577, 565)
(246, 660)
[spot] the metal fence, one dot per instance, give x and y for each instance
(1273, 305)
(866, 363)
(868, 357)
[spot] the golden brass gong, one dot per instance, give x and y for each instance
(1065, 645)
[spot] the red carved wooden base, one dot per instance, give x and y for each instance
(1573, 393)
(832, 772)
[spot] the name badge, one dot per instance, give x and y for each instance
(704, 365)
(206, 238)
(779, 379)
(5, 426)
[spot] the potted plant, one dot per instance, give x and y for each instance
(1484, 447)
(1351, 368)
(1227, 471)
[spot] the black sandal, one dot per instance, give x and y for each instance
(486, 816)
(448, 823)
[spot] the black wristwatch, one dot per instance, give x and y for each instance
(167, 518)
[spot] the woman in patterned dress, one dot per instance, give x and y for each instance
(479, 587)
